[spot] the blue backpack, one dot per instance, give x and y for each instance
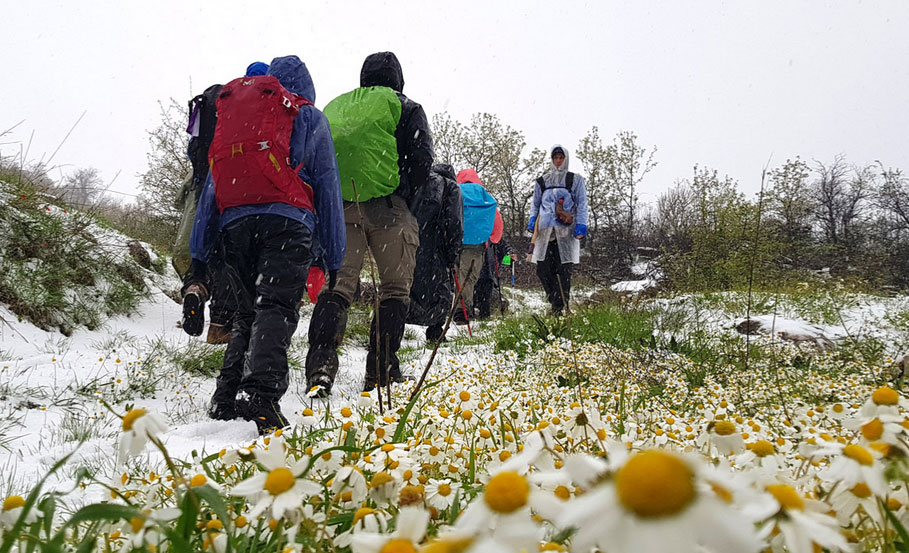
(479, 213)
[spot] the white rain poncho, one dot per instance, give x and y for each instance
(543, 211)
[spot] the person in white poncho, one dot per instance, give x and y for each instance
(558, 216)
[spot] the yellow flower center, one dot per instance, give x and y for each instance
(13, 502)
(307, 412)
(655, 484)
(444, 490)
(893, 504)
(410, 495)
(861, 490)
(388, 447)
(214, 525)
(464, 396)
(279, 481)
(858, 454)
(885, 396)
(361, 513)
(448, 545)
(380, 478)
(240, 522)
(787, 497)
(762, 448)
(346, 412)
(136, 523)
(398, 545)
(198, 480)
(563, 493)
(130, 418)
(724, 428)
(873, 430)
(506, 492)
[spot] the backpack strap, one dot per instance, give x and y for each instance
(569, 182)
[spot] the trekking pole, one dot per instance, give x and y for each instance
(372, 274)
(463, 305)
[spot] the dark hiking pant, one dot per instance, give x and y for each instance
(223, 304)
(550, 271)
(267, 259)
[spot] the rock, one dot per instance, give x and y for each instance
(138, 252)
(749, 326)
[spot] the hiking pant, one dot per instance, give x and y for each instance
(482, 297)
(550, 271)
(469, 268)
(267, 260)
(223, 304)
(389, 230)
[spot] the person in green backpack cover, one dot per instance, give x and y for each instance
(384, 150)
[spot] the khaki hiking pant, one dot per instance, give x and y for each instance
(469, 268)
(389, 230)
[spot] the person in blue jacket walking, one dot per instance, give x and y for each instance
(558, 218)
(269, 238)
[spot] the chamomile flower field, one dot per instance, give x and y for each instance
(528, 436)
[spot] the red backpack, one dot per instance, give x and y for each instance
(250, 153)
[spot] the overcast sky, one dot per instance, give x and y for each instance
(727, 85)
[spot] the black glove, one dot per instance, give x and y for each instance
(332, 279)
(194, 309)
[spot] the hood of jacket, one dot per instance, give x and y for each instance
(469, 175)
(382, 69)
(293, 75)
(564, 168)
(444, 170)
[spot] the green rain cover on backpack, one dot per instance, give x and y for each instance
(363, 124)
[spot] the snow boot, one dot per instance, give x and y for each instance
(265, 413)
(382, 361)
(326, 332)
(194, 310)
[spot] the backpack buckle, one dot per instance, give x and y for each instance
(264, 145)
(287, 103)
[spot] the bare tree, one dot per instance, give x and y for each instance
(789, 201)
(168, 165)
(893, 197)
(83, 188)
(839, 200)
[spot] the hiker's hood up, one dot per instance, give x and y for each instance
(564, 168)
(293, 75)
(469, 175)
(382, 69)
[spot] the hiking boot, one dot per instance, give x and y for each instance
(434, 334)
(222, 411)
(193, 313)
(217, 334)
(265, 413)
(323, 382)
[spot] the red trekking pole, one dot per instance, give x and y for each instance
(463, 305)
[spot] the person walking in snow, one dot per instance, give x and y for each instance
(440, 215)
(482, 225)
(203, 117)
(558, 220)
(384, 150)
(274, 197)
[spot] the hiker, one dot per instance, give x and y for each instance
(273, 193)
(488, 290)
(384, 150)
(440, 216)
(481, 219)
(558, 221)
(202, 120)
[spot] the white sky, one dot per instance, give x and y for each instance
(725, 85)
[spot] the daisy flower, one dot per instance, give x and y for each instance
(279, 487)
(410, 530)
(138, 426)
(801, 522)
(441, 493)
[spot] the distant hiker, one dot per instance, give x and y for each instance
(384, 150)
(440, 216)
(488, 290)
(481, 216)
(274, 195)
(558, 220)
(203, 117)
